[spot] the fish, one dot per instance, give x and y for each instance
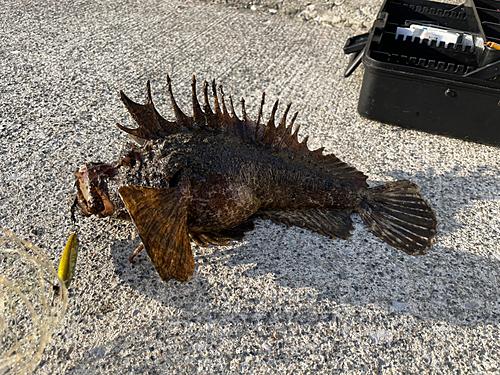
(206, 178)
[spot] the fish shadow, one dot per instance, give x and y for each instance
(142, 277)
(456, 282)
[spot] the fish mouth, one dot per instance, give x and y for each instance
(92, 190)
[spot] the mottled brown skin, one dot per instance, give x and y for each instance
(208, 176)
(231, 180)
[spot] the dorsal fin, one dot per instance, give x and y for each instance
(282, 126)
(182, 119)
(198, 115)
(223, 101)
(218, 111)
(281, 137)
(151, 124)
(210, 117)
(220, 121)
(259, 130)
(270, 134)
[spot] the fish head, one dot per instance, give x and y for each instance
(92, 197)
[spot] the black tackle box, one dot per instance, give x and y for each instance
(432, 66)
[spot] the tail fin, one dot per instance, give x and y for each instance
(397, 213)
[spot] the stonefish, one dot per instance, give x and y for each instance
(207, 177)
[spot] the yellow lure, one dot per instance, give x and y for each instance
(68, 260)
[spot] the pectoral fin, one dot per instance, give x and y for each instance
(160, 216)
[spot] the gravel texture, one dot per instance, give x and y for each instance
(280, 301)
(357, 14)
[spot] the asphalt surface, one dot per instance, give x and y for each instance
(280, 301)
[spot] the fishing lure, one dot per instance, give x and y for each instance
(67, 265)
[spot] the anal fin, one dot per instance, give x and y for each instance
(333, 223)
(160, 216)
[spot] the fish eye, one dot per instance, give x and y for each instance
(129, 159)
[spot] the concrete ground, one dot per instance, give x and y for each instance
(280, 301)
